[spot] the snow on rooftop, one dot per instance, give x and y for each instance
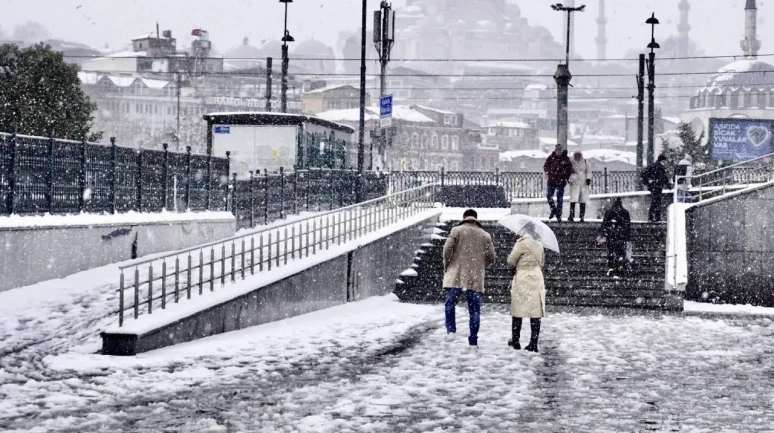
(126, 54)
(349, 115)
(504, 124)
(516, 154)
(609, 155)
(551, 141)
(327, 88)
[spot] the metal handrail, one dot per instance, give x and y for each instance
(273, 227)
(738, 164)
(260, 249)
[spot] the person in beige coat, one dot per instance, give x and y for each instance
(580, 184)
(528, 290)
(466, 254)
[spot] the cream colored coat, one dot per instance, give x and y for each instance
(528, 290)
(579, 191)
(466, 254)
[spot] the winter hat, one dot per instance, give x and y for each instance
(662, 158)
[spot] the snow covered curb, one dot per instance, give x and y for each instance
(89, 220)
(177, 312)
(700, 307)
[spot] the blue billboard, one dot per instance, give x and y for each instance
(736, 140)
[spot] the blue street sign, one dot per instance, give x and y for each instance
(385, 106)
(223, 130)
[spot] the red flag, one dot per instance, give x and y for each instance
(196, 32)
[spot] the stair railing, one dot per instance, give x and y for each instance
(733, 177)
(172, 278)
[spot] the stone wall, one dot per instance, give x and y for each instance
(730, 244)
(33, 254)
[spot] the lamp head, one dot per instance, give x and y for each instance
(557, 6)
(287, 37)
(653, 44)
(652, 20)
(286, 1)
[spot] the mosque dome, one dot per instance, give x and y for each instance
(244, 51)
(749, 73)
(313, 48)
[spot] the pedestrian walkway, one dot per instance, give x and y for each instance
(383, 366)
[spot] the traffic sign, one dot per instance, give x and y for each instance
(385, 106)
(385, 122)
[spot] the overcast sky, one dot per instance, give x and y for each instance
(717, 25)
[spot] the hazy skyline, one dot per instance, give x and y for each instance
(717, 25)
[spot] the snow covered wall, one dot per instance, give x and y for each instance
(355, 270)
(40, 248)
(730, 241)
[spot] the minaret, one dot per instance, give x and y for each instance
(569, 3)
(684, 28)
(751, 45)
(601, 39)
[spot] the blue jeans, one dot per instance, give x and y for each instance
(556, 208)
(474, 307)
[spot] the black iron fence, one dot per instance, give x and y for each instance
(48, 175)
(263, 198)
(515, 185)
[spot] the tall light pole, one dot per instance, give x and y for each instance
(361, 132)
(384, 38)
(563, 78)
(285, 39)
(652, 87)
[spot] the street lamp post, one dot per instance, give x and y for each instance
(361, 126)
(285, 39)
(563, 78)
(652, 87)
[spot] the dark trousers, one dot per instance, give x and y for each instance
(616, 256)
(474, 307)
(654, 214)
(556, 208)
(516, 330)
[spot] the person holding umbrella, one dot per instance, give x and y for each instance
(528, 289)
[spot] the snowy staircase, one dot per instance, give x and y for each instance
(577, 277)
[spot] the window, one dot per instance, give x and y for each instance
(414, 140)
(155, 109)
(434, 141)
(734, 100)
(425, 142)
(761, 100)
(137, 108)
(747, 100)
(455, 143)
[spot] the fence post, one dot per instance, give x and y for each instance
(282, 192)
(113, 166)
(12, 174)
(228, 170)
(139, 180)
(188, 179)
(266, 196)
(443, 185)
(209, 180)
(165, 194)
(82, 175)
(234, 208)
(295, 192)
(50, 173)
(252, 200)
(607, 190)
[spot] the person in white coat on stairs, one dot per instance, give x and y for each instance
(580, 184)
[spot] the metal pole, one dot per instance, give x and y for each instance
(285, 61)
(165, 194)
(114, 151)
(361, 136)
(82, 175)
(562, 78)
(50, 173)
(640, 113)
(269, 61)
(177, 132)
(651, 105)
(12, 174)
(188, 179)
(567, 48)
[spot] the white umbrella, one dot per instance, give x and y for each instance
(536, 229)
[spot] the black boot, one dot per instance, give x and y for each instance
(533, 339)
(515, 333)
(582, 212)
(572, 213)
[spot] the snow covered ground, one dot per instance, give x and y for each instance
(383, 366)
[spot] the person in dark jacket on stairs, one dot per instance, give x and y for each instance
(558, 169)
(616, 232)
(655, 179)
